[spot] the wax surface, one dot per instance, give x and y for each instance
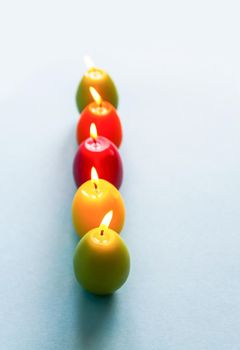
(101, 261)
(102, 82)
(101, 154)
(106, 120)
(91, 203)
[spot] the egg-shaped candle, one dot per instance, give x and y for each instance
(104, 116)
(100, 153)
(101, 260)
(101, 81)
(92, 200)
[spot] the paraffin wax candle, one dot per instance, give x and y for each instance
(104, 116)
(92, 200)
(100, 153)
(101, 260)
(101, 81)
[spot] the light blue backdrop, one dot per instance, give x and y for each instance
(176, 65)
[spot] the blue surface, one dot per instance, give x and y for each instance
(176, 65)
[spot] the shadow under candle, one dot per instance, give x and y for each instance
(95, 319)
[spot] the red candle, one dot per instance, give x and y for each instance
(101, 153)
(104, 116)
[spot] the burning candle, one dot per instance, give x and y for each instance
(100, 153)
(104, 116)
(101, 81)
(101, 260)
(92, 200)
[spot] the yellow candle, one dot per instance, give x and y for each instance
(101, 81)
(101, 260)
(92, 200)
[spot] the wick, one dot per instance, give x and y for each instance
(95, 185)
(99, 104)
(102, 232)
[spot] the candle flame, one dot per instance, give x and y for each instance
(93, 131)
(95, 95)
(94, 174)
(107, 219)
(89, 62)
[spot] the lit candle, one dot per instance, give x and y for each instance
(101, 260)
(99, 79)
(100, 153)
(105, 117)
(92, 200)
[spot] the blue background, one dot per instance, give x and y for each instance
(176, 65)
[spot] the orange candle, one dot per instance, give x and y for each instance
(92, 200)
(104, 116)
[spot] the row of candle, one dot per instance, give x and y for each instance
(101, 260)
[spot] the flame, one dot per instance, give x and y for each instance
(89, 62)
(107, 219)
(95, 95)
(93, 131)
(94, 174)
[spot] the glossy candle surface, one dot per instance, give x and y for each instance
(101, 154)
(101, 261)
(106, 120)
(91, 201)
(102, 82)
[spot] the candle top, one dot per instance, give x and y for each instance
(104, 109)
(96, 143)
(98, 107)
(100, 238)
(95, 73)
(92, 72)
(97, 189)
(103, 235)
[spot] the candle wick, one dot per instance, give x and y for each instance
(95, 185)
(102, 232)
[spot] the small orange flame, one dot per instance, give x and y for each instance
(95, 95)
(89, 62)
(93, 131)
(94, 174)
(107, 219)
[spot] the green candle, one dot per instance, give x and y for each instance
(102, 82)
(101, 260)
